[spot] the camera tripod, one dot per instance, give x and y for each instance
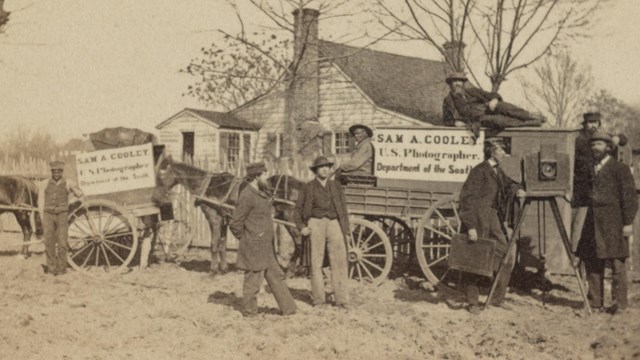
(551, 199)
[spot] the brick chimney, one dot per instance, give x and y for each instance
(305, 60)
(454, 55)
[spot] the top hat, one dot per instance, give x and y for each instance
(456, 76)
(256, 168)
(592, 117)
(353, 128)
(601, 136)
(319, 162)
(56, 165)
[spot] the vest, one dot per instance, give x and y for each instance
(56, 197)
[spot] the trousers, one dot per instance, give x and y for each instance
(55, 240)
(327, 234)
(275, 279)
(595, 278)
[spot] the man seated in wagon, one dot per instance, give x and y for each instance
(361, 161)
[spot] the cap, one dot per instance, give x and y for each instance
(256, 168)
(601, 136)
(456, 76)
(56, 165)
(591, 117)
(320, 161)
(353, 128)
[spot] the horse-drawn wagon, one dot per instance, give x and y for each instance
(120, 207)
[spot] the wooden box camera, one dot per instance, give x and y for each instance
(547, 172)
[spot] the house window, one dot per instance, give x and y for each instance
(233, 150)
(342, 142)
(246, 150)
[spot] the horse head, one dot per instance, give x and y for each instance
(167, 177)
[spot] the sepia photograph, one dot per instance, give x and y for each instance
(319, 179)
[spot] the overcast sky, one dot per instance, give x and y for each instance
(77, 66)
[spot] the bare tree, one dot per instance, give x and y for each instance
(503, 36)
(559, 89)
(618, 116)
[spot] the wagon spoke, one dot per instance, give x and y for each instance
(118, 235)
(104, 252)
(367, 271)
(360, 233)
(108, 222)
(438, 232)
(81, 250)
(359, 272)
(83, 230)
(91, 225)
(438, 260)
(373, 246)
(445, 220)
(117, 244)
(375, 255)
(75, 240)
(374, 265)
(368, 239)
(351, 271)
(97, 256)
(121, 226)
(113, 252)
(86, 260)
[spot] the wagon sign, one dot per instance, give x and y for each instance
(114, 170)
(430, 154)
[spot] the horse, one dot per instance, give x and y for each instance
(223, 188)
(16, 192)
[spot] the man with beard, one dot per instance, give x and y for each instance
(251, 224)
(483, 200)
(473, 107)
(608, 224)
(583, 170)
(321, 213)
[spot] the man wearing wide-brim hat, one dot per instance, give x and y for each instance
(252, 225)
(54, 204)
(321, 213)
(361, 160)
(473, 107)
(608, 224)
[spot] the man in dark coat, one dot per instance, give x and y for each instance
(473, 107)
(583, 170)
(321, 213)
(483, 200)
(608, 225)
(251, 224)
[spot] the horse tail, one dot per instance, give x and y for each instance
(32, 191)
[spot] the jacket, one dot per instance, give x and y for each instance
(361, 162)
(251, 224)
(467, 106)
(305, 203)
(613, 205)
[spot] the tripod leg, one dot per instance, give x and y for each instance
(567, 249)
(523, 212)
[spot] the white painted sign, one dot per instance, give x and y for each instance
(114, 170)
(426, 154)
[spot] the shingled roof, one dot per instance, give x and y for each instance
(408, 85)
(222, 119)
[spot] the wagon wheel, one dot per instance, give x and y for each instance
(401, 237)
(433, 239)
(174, 236)
(370, 254)
(101, 234)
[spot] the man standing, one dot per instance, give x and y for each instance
(483, 200)
(608, 224)
(251, 224)
(321, 213)
(54, 219)
(583, 170)
(475, 107)
(361, 161)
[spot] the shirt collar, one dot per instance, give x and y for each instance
(492, 162)
(323, 183)
(604, 160)
(56, 182)
(257, 191)
(363, 142)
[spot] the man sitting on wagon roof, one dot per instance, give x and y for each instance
(473, 107)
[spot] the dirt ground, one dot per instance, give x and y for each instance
(177, 311)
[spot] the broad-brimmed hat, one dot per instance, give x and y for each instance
(56, 165)
(353, 128)
(494, 141)
(602, 136)
(319, 162)
(457, 75)
(256, 168)
(592, 117)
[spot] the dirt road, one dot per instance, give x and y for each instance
(171, 311)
